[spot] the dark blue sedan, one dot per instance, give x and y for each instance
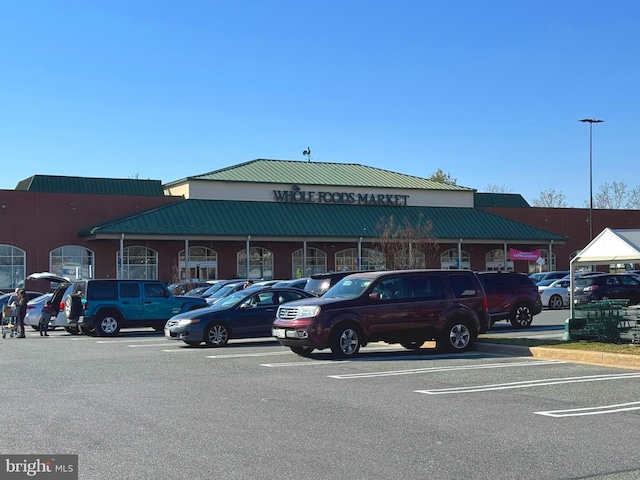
(245, 314)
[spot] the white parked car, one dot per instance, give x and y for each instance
(34, 310)
(556, 295)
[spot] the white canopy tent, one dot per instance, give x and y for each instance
(609, 247)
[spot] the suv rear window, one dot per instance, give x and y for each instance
(463, 286)
(102, 291)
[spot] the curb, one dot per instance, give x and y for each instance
(617, 360)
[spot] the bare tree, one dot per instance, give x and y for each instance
(493, 188)
(442, 177)
(550, 198)
(403, 243)
(616, 195)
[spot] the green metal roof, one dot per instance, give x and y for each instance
(318, 173)
(503, 200)
(218, 218)
(96, 186)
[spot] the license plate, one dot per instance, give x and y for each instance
(279, 332)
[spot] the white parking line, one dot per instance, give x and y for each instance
(128, 340)
(151, 345)
(242, 355)
(529, 383)
(415, 371)
(578, 412)
(310, 363)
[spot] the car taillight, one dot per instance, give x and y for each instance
(62, 306)
(29, 307)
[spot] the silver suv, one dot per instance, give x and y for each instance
(64, 287)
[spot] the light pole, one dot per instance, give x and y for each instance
(590, 121)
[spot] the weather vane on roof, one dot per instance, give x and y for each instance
(307, 154)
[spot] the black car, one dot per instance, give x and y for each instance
(293, 283)
(246, 313)
(511, 296)
(606, 287)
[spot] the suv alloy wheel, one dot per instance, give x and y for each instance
(521, 316)
(456, 337)
(108, 324)
(345, 341)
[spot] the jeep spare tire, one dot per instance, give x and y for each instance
(72, 306)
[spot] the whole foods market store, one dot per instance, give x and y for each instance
(300, 218)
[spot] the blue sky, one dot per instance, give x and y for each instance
(490, 92)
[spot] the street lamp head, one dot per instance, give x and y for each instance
(590, 120)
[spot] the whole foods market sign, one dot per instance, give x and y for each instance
(296, 195)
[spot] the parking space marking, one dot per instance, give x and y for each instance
(578, 412)
(529, 384)
(151, 345)
(414, 371)
(302, 364)
(242, 355)
(129, 340)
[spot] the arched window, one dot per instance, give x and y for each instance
(139, 263)
(260, 263)
(12, 266)
(72, 261)
(449, 260)
(494, 261)
(316, 263)
(203, 263)
(545, 266)
(348, 260)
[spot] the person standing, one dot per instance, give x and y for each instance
(22, 311)
(45, 317)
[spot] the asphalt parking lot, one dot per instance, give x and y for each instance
(139, 406)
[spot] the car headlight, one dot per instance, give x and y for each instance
(187, 321)
(308, 312)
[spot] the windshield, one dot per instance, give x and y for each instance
(213, 289)
(348, 287)
(195, 292)
(582, 282)
(317, 286)
(223, 291)
(231, 300)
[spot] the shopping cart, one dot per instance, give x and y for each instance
(9, 321)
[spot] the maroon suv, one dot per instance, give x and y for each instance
(407, 307)
(511, 296)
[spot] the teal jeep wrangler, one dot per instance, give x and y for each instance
(103, 307)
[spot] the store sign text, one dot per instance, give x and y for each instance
(295, 195)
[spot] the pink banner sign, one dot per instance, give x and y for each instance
(515, 254)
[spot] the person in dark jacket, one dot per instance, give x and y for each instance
(47, 312)
(22, 311)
